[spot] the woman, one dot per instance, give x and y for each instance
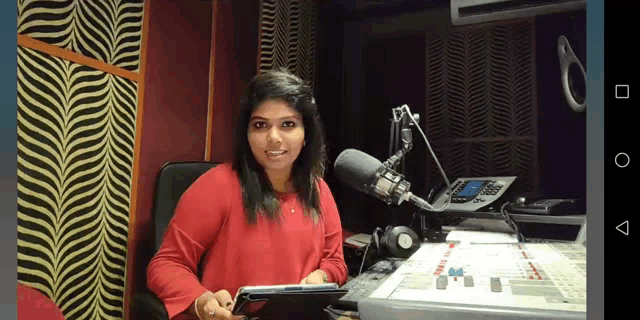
(266, 219)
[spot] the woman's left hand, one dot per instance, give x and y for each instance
(315, 277)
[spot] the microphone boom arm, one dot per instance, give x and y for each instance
(402, 116)
(392, 162)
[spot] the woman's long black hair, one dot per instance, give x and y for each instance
(259, 196)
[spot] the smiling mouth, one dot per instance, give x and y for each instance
(276, 153)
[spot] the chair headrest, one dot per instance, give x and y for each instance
(173, 180)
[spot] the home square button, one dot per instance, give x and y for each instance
(622, 91)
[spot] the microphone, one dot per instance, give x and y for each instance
(367, 174)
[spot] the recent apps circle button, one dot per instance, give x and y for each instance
(622, 160)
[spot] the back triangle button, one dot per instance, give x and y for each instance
(624, 228)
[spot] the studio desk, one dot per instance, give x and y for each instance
(468, 276)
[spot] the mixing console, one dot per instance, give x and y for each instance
(531, 280)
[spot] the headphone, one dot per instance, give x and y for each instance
(399, 242)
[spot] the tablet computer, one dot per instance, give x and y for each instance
(286, 288)
(253, 301)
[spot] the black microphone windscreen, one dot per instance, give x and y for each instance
(356, 168)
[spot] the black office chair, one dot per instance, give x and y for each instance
(173, 180)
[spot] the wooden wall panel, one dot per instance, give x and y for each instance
(234, 53)
(174, 112)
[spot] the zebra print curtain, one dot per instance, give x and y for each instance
(287, 37)
(108, 31)
(76, 128)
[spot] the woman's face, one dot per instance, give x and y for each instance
(276, 135)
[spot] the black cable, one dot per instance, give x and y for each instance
(375, 239)
(510, 222)
(364, 256)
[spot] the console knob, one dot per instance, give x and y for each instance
(468, 281)
(441, 282)
(496, 286)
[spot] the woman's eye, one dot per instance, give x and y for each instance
(289, 124)
(259, 125)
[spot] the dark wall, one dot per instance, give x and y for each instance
(329, 89)
(562, 143)
(371, 59)
(368, 63)
(394, 70)
(329, 79)
(561, 131)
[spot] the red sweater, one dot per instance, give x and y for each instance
(210, 220)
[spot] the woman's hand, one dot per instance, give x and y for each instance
(217, 305)
(315, 277)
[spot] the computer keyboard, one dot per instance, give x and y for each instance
(366, 283)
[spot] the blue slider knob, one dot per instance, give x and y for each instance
(456, 273)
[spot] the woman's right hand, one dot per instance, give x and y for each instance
(217, 305)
